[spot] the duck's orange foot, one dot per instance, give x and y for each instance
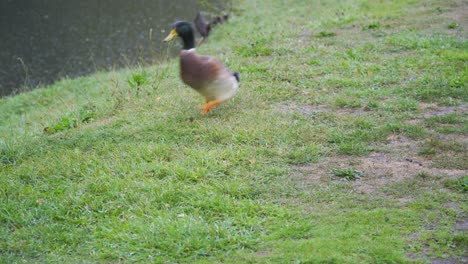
(204, 110)
(207, 107)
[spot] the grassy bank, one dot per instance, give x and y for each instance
(346, 143)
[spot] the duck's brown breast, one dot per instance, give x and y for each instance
(198, 71)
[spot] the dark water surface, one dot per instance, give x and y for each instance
(44, 40)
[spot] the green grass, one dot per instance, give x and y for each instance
(121, 166)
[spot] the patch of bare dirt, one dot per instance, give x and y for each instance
(437, 260)
(433, 110)
(398, 161)
(311, 109)
(449, 261)
(303, 109)
(461, 226)
(263, 253)
(305, 35)
(454, 138)
(459, 14)
(440, 111)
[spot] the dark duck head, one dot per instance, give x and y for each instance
(183, 30)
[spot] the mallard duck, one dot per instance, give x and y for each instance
(219, 19)
(204, 74)
(202, 26)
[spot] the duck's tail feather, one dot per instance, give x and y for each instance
(236, 75)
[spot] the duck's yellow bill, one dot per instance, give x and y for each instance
(171, 36)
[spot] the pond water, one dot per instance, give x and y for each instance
(45, 40)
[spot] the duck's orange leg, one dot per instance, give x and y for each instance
(207, 107)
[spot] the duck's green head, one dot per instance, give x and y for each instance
(184, 30)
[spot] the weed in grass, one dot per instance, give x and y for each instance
(459, 184)
(326, 34)
(439, 10)
(371, 26)
(452, 25)
(66, 122)
(460, 241)
(354, 54)
(85, 115)
(137, 79)
(347, 173)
